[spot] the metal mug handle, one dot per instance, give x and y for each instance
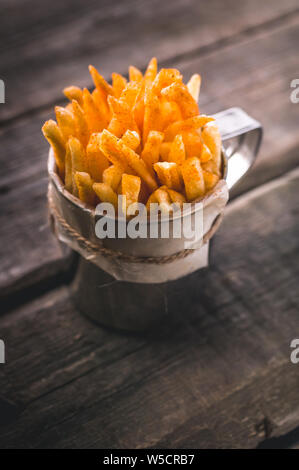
(241, 135)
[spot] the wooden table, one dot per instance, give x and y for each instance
(218, 372)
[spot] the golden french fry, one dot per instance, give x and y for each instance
(169, 174)
(100, 81)
(179, 93)
(170, 113)
(95, 121)
(164, 150)
(130, 93)
(131, 139)
(74, 93)
(112, 176)
(134, 74)
(109, 145)
(210, 179)
(68, 177)
(165, 78)
(192, 124)
(138, 110)
(105, 193)
(96, 162)
(78, 158)
(194, 86)
(211, 166)
(122, 118)
(152, 115)
(84, 184)
(193, 143)
(211, 137)
(118, 84)
(66, 122)
(206, 154)
(177, 150)
(54, 136)
(130, 188)
(193, 178)
(151, 72)
(176, 197)
(82, 130)
(100, 101)
(150, 152)
(163, 199)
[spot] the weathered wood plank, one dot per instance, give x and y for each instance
(232, 76)
(216, 374)
(55, 44)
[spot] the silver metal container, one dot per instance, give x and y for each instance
(132, 295)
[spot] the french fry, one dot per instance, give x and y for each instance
(192, 124)
(105, 193)
(138, 111)
(100, 100)
(129, 94)
(176, 197)
(108, 144)
(84, 184)
(165, 78)
(193, 178)
(78, 159)
(151, 72)
(164, 150)
(150, 152)
(82, 130)
(122, 118)
(131, 139)
(179, 93)
(55, 138)
(100, 81)
(112, 176)
(170, 113)
(74, 93)
(151, 200)
(206, 154)
(193, 143)
(194, 86)
(118, 84)
(130, 188)
(177, 150)
(210, 180)
(211, 166)
(163, 199)
(211, 137)
(152, 115)
(134, 74)
(96, 122)
(66, 122)
(68, 178)
(169, 174)
(96, 162)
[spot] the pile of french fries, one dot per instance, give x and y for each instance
(143, 138)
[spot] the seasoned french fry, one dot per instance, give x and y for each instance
(211, 166)
(165, 78)
(163, 199)
(118, 84)
(68, 178)
(54, 136)
(138, 110)
(131, 139)
(193, 143)
(66, 122)
(170, 113)
(130, 93)
(74, 93)
(96, 162)
(193, 178)
(82, 130)
(134, 74)
(109, 145)
(150, 152)
(122, 118)
(206, 154)
(96, 122)
(112, 176)
(194, 86)
(211, 137)
(84, 184)
(164, 150)
(210, 179)
(179, 93)
(177, 150)
(78, 154)
(192, 124)
(176, 197)
(100, 100)
(169, 174)
(130, 188)
(152, 115)
(100, 81)
(151, 72)
(105, 193)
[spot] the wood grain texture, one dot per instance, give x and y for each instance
(232, 76)
(216, 374)
(44, 50)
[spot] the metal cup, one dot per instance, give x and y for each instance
(130, 296)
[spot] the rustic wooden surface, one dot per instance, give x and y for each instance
(218, 374)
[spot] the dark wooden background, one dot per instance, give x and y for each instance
(218, 373)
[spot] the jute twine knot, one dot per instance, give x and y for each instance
(99, 248)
